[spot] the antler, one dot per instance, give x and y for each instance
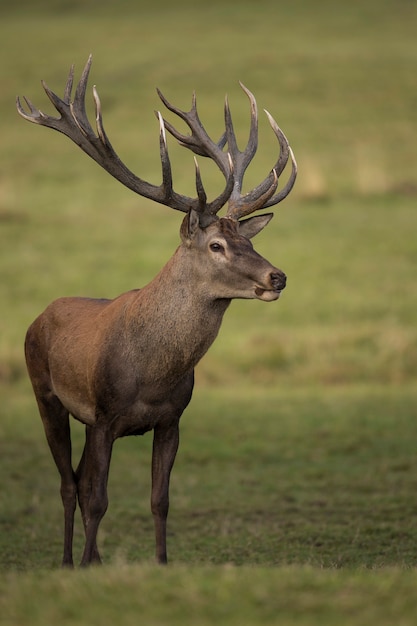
(263, 195)
(73, 123)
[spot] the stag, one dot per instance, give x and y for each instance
(126, 366)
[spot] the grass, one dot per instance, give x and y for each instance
(302, 512)
(324, 480)
(293, 495)
(209, 596)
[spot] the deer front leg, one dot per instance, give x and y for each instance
(55, 419)
(165, 446)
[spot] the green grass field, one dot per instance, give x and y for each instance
(293, 496)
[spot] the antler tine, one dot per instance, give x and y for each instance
(202, 196)
(286, 152)
(165, 162)
(70, 81)
(77, 107)
(240, 159)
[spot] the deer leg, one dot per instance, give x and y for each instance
(83, 502)
(55, 420)
(165, 446)
(92, 475)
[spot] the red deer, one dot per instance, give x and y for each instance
(126, 366)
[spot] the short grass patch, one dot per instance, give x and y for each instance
(206, 595)
(263, 477)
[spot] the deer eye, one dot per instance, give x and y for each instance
(216, 247)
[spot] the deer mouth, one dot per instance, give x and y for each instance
(275, 284)
(267, 295)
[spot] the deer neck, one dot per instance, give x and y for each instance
(173, 317)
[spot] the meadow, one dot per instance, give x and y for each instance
(293, 497)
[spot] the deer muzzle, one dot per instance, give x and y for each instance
(277, 281)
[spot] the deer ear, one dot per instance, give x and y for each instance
(253, 225)
(190, 225)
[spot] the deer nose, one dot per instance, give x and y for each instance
(278, 280)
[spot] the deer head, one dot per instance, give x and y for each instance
(224, 257)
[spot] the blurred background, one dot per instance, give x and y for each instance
(318, 388)
(340, 80)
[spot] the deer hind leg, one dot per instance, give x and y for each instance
(92, 476)
(165, 446)
(55, 418)
(83, 498)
